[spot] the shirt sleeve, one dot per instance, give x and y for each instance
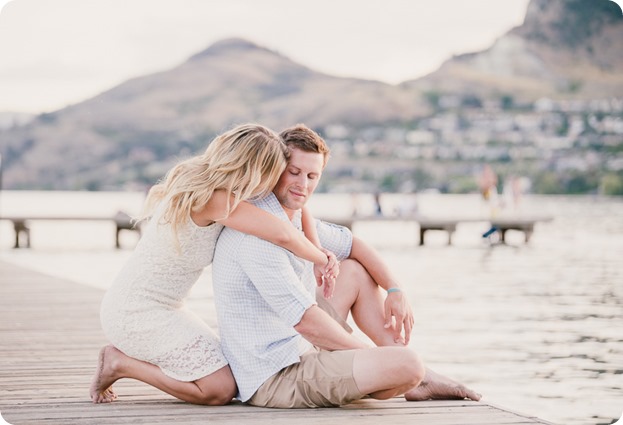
(335, 238)
(276, 275)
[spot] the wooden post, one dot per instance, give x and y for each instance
(124, 222)
(20, 227)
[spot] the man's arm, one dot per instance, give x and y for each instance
(396, 303)
(273, 276)
(324, 332)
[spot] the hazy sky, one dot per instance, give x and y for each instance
(57, 52)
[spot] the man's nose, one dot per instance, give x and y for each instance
(303, 182)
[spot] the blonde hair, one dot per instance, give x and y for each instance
(245, 161)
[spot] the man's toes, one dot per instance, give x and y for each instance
(473, 395)
(464, 392)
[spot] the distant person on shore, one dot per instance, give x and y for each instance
(488, 184)
(378, 210)
(285, 350)
(155, 338)
(513, 192)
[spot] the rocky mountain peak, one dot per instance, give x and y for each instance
(227, 46)
(568, 23)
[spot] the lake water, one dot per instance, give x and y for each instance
(536, 327)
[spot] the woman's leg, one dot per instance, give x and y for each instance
(216, 389)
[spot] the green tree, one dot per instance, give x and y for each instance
(547, 183)
(611, 184)
(581, 183)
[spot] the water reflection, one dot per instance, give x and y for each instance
(536, 327)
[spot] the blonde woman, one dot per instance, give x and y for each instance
(155, 339)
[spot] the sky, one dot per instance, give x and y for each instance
(54, 53)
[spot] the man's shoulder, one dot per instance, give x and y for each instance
(271, 204)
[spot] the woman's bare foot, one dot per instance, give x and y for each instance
(438, 387)
(101, 386)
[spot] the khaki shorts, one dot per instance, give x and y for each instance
(320, 379)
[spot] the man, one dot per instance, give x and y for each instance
(286, 351)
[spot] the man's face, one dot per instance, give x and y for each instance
(299, 180)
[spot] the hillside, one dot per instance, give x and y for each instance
(134, 131)
(564, 49)
(127, 137)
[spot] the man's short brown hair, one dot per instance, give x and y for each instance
(304, 138)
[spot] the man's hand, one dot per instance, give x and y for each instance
(398, 314)
(327, 274)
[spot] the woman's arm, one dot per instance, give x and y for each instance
(255, 221)
(309, 227)
(332, 268)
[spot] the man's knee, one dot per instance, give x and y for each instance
(351, 267)
(413, 368)
(353, 271)
(352, 274)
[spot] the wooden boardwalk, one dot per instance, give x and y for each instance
(49, 340)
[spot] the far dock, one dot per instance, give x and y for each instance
(21, 225)
(50, 336)
(501, 223)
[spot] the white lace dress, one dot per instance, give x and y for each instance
(143, 313)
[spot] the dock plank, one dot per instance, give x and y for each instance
(49, 340)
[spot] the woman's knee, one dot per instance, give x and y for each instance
(218, 398)
(218, 388)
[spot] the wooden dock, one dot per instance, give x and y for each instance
(49, 340)
(123, 222)
(21, 225)
(502, 224)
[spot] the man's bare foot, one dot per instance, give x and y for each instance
(438, 387)
(101, 386)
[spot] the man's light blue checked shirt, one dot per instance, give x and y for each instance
(261, 292)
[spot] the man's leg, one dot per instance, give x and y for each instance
(356, 292)
(334, 378)
(385, 372)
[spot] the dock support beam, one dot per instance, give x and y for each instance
(124, 222)
(450, 228)
(20, 228)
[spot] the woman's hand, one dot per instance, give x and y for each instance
(326, 275)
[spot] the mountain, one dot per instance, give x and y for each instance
(134, 131)
(564, 49)
(127, 137)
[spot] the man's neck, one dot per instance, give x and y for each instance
(290, 213)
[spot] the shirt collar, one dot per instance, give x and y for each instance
(272, 205)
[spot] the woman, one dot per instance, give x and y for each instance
(155, 339)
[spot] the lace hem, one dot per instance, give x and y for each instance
(195, 360)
